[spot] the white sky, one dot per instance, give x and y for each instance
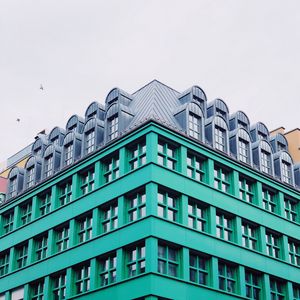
(243, 51)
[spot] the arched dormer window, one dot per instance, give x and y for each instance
(262, 156)
(39, 145)
(51, 160)
(71, 148)
(32, 171)
(279, 143)
(216, 133)
(239, 120)
(240, 143)
(15, 181)
(96, 110)
(283, 167)
(56, 136)
(218, 108)
(93, 134)
(259, 131)
(75, 123)
(195, 120)
(297, 175)
(112, 122)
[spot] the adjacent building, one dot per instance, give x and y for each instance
(156, 195)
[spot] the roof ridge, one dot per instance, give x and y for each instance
(155, 81)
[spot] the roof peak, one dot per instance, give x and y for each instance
(155, 82)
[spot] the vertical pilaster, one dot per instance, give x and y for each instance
(94, 274)
(54, 197)
(214, 273)
(121, 211)
(69, 283)
(185, 264)
(151, 199)
(30, 252)
(241, 280)
(120, 265)
(237, 227)
(266, 287)
(47, 288)
(73, 236)
(258, 200)
(184, 210)
(35, 208)
(289, 290)
(211, 220)
(284, 248)
(151, 254)
(262, 239)
(235, 190)
(96, 222)
(27, 292)
(151, 147)
(280, 204)
(16, 217)
(123, 161)
(51, 243)
(182, 160)
(210, 172)
(75, 186)
(12, 259)
(98, 181)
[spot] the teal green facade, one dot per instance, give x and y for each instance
(152, 230)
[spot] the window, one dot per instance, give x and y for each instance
(30, 177)
(4, 263)
(22, 255)
(195, 167)
(87, 181)
(167, 155)
(294, 252)
(253, 285)
(65, 193)
(25, 213)
(111, 168)
(17, 294)
(296, 292)
(8, 222)
(286, 170)
(167, 206)
(227, 277)
(110, 217)
(273, 244)
(168, 260)
(277, 289)
(113, 124)
(220, 138)
(13, 187)
(269, 200)
(249, 236)
(290, 209)
(137, 155)
(62, 238)
(69, 154)
(37, 290)
(48, 167)
(197, 218)
(137, 206)
(82, 278)
(85, 229)
(221, 179)
(41, 245)
(224, 227)
(108, 269)
(90, 141)
(136, 260)
(59, 286)
(45, 203)
(265, 162)
(244, 151)
(198, 268)
(194, 126)
(246, 190)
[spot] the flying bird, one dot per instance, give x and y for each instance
(18, 120)
(41, 87)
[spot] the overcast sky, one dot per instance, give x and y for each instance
(245, 52)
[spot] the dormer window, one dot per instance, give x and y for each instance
(69, 154)
(220, 138)
(90, 141)
(194, 126)
(48, 166)
(286, 172)
(244, 150)
(265, 162)
(113, 124)
(30, 177)
(13, 187)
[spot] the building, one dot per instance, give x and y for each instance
(157, 195)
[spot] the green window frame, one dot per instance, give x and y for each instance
(137, 155)
(44, 203)
(136, 206)
(167, 154)
(227, 277)
(111, 168)
(37, 290)
(167, 206)
(62, 238)
(59, 286)
(246, 189)
(85, 227)
(273, 244)
(249, 235)
(25, 213)
(197, 215)
(8, 222)
(108, 269)
(82, 278)
(198, 267)
(136, 260)
(253, 284)
(221, 179)
(224, 226)
(277, 289)
(168, 260)
(294, 252)
(65, 193)
(41, 246)
(110, 217)
(269, 200)
(21, 256)
(4, 263)
(87, 181)
(195, 167)
(291, 209)
(296, 292)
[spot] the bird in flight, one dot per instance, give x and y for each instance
(18, 120)
(41, 87)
